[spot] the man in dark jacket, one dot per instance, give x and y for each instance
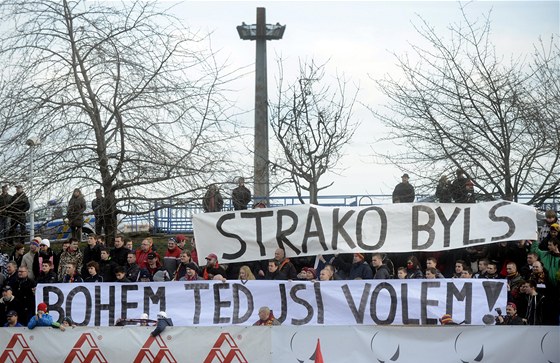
(274, 272)
(162, 322)
(92, 252)
(240, 196)
(381, 271)
(19, 204)
(404, 191)
(358, 269)
(24, 291)
(5, 199)
(98, 212)
(75, 214)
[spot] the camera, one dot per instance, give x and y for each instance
(499, 311)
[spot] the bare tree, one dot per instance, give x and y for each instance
(124, 98)
(458, 104)
(312, 123)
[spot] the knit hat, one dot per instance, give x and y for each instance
(42, 307)
(35, 243)
(512, 305)
(310, 269)
(555, 226)
(446, 319)
(212, 256)
(45, 242)
(180, 238)
(162, 315)
(192, 266)
(11, 313)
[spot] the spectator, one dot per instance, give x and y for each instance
(129, 245)
(119, 252)
(534, 303)
(71, 255)
(327, 273)
(12, 320)
(460, 266)
(4, 215)
(446, 319)
(97, 205)
(71, 274)
(47, 275)
(92, 252)
(75, 213)
(8, 303)
(526, 269)
(181, 241)
(245, 273)
(213, 201)
(19, 205)
(45, 254)
(11, 273)
(172, 257)
(358, 269)
(404, 191)
(307, 274)
(266, 317)
(511, 317)
(142, 253)
(191, 273)
(285, 265)
(431, 262)
(550, 259)
(28, 258)
(17, 254)
(63, 249)
(443, 190)
(431, 273)
(212, 267)
(107, 265)
(42, 318)
(67, 322)
(24, 291)
(181, 271)
(162, 322)
(381, 271)
(413, 269)
(467, 273)
(120, 275)
(93, 272)
(401, 273)
(544, 231)
(482, 269)
(458, 187)
(154, 266)
(274, 272)
(240, 196)
(492, 270)
(132, 268)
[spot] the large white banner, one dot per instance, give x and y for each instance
(306, 230)
(282, 344)
(213, 303)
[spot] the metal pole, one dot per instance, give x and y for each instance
(31, 204)
(261, 112)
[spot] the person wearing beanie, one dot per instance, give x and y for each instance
(45, 254)
(446, 319)
(359, 269)
(545, 230)
(511, 317)
(29, 257)
(162, 322)
(42, 318)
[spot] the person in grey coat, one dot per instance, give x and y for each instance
(162, 322)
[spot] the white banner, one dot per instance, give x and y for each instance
(213, 303)
(282, 344)
(307, 230)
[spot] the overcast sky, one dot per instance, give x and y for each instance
(358, 38)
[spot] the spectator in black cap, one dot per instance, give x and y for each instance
(191, 273)
(8, 303)
(404, 191)
(12, 320)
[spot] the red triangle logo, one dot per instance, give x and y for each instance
(85, 350)
(225, 350)
(18, 351)
(159, 354)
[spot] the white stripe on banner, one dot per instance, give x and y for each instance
(282, 344)
(213, 303)
(306, 230)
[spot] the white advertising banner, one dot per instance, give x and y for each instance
(306, 230)
(282, 344)
(213, 303)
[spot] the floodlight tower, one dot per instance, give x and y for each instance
(261, 32)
